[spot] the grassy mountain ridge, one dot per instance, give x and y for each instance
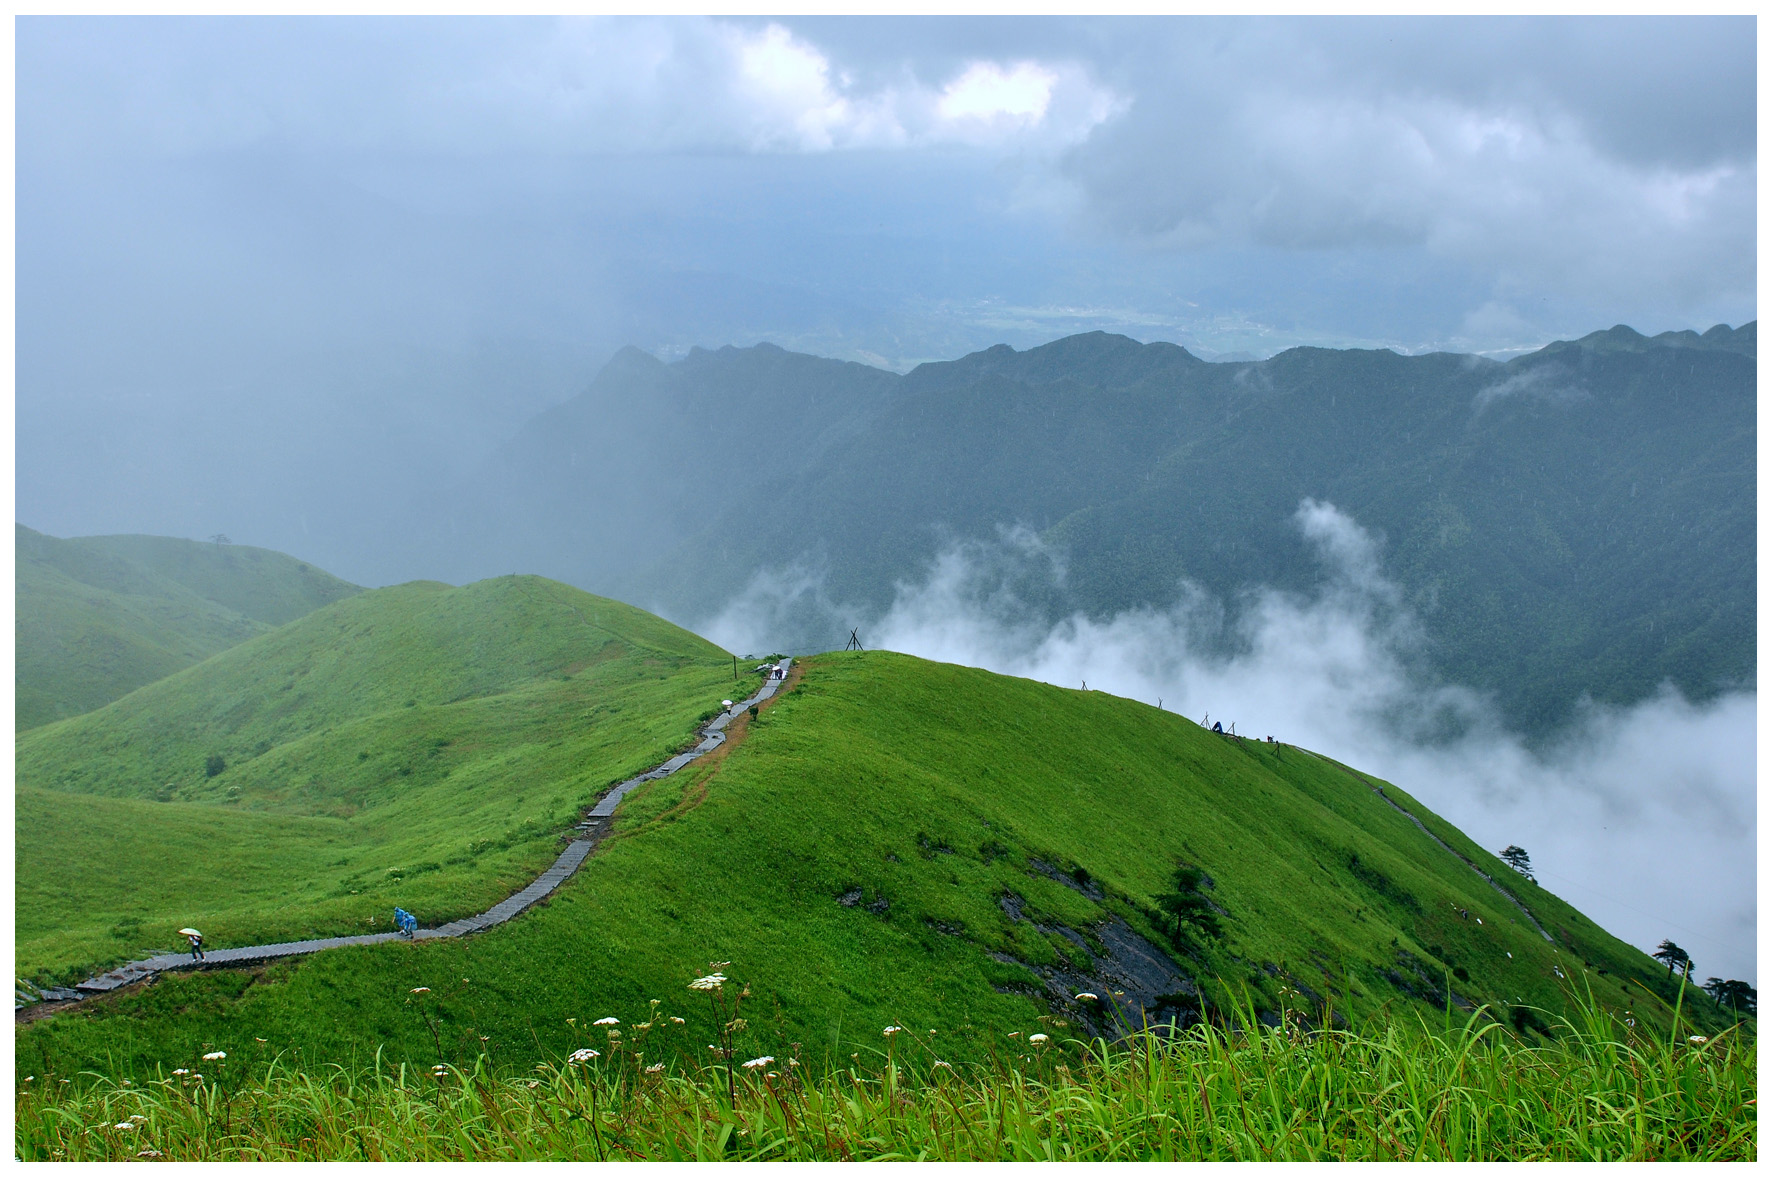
(897, 842)
(417, 743)
(98, 616)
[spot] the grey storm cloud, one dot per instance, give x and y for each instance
(269, 269)
(1604, 159)
(1610, 161)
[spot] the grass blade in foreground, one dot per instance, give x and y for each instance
(1396, 1093)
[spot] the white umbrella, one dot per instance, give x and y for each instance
(189, 932)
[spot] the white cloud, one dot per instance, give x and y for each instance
(986, 91)
(1643, 816)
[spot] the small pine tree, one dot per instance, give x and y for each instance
(1187, 913)
(214, 766)
(1519, 860)
(1673, 956)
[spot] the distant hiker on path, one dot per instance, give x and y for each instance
(1218, 727)
(406, 922)
(196, 939)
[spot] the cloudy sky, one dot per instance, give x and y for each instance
(270, 268)
(275, 273)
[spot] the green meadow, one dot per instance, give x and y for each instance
(892, 842)
(420, 746)
(98, 616)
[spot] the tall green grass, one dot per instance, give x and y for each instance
(1406, 1089)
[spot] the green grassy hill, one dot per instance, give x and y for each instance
(98, 616)
(416, 745)
(893, 842)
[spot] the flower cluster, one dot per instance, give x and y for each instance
(711, 981)
(215, 1056)
(756, 1063)
(582, 1055)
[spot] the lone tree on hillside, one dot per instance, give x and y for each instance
(1737, 995)
(1673, 956)
(218, 539)
(1186, 912)
(1520, 861)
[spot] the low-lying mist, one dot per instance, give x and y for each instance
(1641, 816)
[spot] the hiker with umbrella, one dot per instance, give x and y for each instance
(196, 939)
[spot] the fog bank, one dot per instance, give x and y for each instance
(1642, 817)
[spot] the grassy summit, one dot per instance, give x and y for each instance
(893, 842)
(102, 615)
(417, 745)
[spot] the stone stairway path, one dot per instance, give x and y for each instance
(713, 735)
(1483, 874)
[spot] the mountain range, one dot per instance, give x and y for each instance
(1577, 521)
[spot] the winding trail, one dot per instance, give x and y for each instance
(1483, 874)
(713, 734)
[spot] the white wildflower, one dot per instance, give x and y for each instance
(655, 1068)
(939, 1063)
(711, 981)
(607, 1022)
(181, 1071)
(1698, 1039)
(422, 989)
(1037, 1038)
(891, 1030)
(148, 1152)
(582, 1055)
(1087, 997)
(676, 1021)
(755, 1063)
(215, 1055)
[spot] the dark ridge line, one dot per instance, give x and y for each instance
(713, 735)
(1484, 875)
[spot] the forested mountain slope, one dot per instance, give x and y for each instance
(1577, 520)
